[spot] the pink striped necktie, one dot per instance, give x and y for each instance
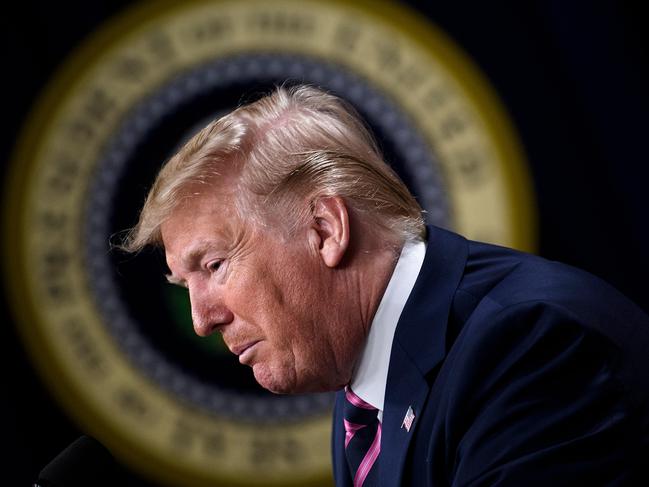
(362, 439)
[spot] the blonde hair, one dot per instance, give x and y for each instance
(285, 151)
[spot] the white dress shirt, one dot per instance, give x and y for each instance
(371, 374)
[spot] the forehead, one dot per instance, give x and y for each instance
(201, 217)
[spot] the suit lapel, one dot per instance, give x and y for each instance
(341, 470)
(419, 346)
(406, 389)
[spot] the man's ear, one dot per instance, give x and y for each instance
(330, 229)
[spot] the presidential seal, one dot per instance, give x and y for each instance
(113, 341)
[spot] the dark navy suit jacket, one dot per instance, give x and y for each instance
(520, 372)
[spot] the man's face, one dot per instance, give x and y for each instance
(273, 299)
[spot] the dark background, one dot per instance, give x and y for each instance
(573, 75)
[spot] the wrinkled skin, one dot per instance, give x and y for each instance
(296, 309)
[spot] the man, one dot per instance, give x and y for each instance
(457, 363)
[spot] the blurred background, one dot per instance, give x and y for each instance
(573, 77)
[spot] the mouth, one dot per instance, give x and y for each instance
(245, 351)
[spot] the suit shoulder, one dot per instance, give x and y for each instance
(509, 277)
(507, 282)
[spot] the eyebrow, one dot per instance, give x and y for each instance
(175, 281)
(189, 260)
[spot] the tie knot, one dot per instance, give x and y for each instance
(357, 411)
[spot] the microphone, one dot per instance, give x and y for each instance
(84, 462)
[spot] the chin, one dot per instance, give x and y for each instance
(286, 380)
(277, 383)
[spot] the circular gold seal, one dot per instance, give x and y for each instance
(109, 338)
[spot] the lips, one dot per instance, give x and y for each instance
(243, 351)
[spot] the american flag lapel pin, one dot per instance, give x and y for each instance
(408, 419)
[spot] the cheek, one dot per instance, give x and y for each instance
(279, 285)
(277, 290)
(259, 296)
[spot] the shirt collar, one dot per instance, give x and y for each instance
(371, 374)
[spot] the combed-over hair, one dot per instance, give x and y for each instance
(286, 150)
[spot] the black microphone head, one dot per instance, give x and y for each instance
(85, 462)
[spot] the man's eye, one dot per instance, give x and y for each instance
(214, 266)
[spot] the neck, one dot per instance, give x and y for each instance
(361, 285)
(371, 281)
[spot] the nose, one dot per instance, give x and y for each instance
(209, 312)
